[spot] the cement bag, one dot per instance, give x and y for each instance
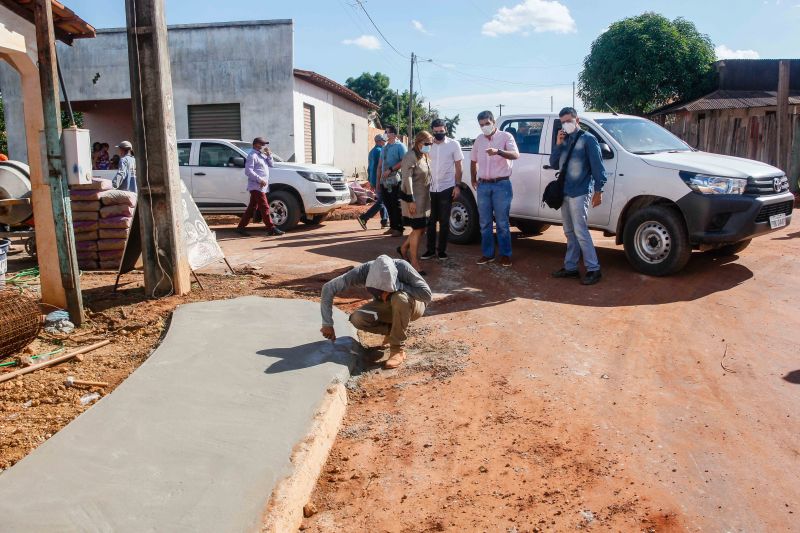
(86, 236)
(109, 265)
(87, 264)
(111, 244)
(116, 211)
(82, 226)
(97, 184)
(85, 215)
(115, 197)
(86, 206)
(110, 255)
(86, 246)
(113, 233)
(115, 222)
(84, 195)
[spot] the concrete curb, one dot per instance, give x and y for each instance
(285, 508)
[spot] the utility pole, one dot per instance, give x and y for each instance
(501, 109)
(56, 179)
(166, 266)
(397, 121)
(573, 95)
(410, 127)
(551, 104)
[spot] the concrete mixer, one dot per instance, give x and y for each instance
(16, 211)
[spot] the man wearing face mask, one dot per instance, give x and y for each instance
(446, 157)
(491, 161)
(256, 168)
(584, 178)
(391, 156)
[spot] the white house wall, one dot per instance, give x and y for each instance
(333, 116)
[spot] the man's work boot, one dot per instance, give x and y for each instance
(591, 277)
(398, 355)
(243, 232)
(275, 232)
(564, 273)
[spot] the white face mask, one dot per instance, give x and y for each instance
(425, 149)
(569, 127)
(487, 129)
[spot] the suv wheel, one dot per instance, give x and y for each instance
(656, 241)
(464, 228)
(731, 249)
(284, 210)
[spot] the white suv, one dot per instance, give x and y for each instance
(662, 199)
(213, 170)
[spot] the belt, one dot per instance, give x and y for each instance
(495, 180)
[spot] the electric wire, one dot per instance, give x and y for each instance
(364, 9)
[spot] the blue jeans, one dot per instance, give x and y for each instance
(377, 206)
(575, 215)
(494, 201)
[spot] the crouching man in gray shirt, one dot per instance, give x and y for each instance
(400, 297)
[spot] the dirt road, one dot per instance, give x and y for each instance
(537, 404)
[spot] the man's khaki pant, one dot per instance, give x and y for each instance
(389, 318)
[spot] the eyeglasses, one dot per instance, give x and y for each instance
(428, 144)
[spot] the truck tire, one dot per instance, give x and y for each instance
(656, 241)
(284, 210)
(731, 249)
(531, 227)
(464, 225)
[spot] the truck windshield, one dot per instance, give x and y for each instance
(641, 136)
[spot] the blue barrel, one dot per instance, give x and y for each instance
(4, 244)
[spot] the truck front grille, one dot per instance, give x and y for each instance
(766, 185)
(774, 209)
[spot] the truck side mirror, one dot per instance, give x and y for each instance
(606, 152)
(237, 162)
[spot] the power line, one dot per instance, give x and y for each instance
(364, 9)
(497, 80)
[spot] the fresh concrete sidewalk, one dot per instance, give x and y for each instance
(198, 437)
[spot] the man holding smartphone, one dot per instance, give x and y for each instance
(256, 168)
(490, 165)
(584, 178)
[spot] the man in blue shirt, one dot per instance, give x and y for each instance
(125, 179)
(374, 161)
(391, 156)
(584, 178)
(256, 168)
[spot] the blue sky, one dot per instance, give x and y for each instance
(485, 52)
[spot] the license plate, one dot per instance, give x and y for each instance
(777, 221)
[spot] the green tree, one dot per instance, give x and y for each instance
(643, 62)
(466, 141)
(450, 124)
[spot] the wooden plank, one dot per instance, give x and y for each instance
(782, 116)
(53, 361)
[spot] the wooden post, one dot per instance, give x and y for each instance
(783, 114)
(166, 266)
(56, 179)
(794, 165)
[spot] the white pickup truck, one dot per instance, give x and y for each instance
(662, 199)
(213, 169)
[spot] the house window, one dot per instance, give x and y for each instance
(353, 132)
(215, 121)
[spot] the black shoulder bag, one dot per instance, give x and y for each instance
(553, 194)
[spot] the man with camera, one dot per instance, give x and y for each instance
(391, 157)
(256, 168)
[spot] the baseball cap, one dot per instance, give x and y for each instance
(125, 144)
(260, 140)
(380, 137)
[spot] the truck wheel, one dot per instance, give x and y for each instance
(314, 220)
(464, 226)
(284, 210)
(531, 227)
(656, 241)
(731, 249)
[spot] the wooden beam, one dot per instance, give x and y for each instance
(59, 192)
(782, 113)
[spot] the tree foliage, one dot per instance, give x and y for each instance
(643, 62)
(376, 88)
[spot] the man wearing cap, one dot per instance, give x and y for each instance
(125, 178)
(374, 160)
(400, 296)
(256, 168)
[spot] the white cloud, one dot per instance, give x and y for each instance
(367, 42)
(537, 15)
(723, 52)
(419, 27)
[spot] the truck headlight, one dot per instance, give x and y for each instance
(715, 184)
(314, 176)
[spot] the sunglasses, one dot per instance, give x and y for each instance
(428, 144)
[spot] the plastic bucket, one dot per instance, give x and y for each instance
(4, 244)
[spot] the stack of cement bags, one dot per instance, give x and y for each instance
(101, 219)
